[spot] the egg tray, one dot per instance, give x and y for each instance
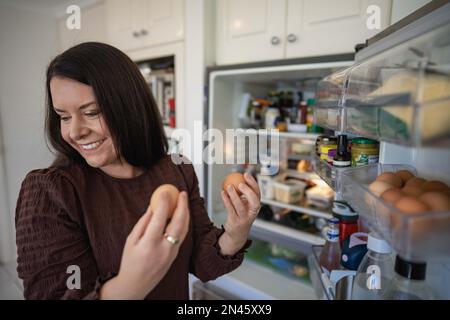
(419, 236)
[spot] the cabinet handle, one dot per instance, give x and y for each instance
(291, 38)
(144, 32)
(275, 41)
(136, 34)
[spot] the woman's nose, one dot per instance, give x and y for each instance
(77, 129)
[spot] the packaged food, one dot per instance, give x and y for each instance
(364, 151)
(289, 191)
(325, 147)
(320, 196)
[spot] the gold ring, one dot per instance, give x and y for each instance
(171, 239)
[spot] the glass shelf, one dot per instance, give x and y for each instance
(300, 207)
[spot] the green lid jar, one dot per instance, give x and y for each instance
(364, 151)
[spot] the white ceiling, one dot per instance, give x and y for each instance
(55, 8)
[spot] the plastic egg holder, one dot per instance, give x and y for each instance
(414, 236)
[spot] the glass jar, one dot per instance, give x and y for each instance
(364, 151)
(327, 144)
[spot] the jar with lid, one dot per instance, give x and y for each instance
(327, 143)
(364, 151)
(271, 115)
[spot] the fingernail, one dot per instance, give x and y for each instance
(230, 188)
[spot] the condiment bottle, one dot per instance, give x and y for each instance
(330, 256)
(342, 158)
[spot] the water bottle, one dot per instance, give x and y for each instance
(409, 281)
(375, 271)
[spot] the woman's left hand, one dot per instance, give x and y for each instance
(242, 211)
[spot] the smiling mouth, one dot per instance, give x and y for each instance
(92, 146)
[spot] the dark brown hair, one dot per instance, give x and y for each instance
(123, 97)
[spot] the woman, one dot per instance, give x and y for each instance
(88, 214)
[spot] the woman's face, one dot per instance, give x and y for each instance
(82, 124)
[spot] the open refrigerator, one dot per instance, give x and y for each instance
(275, 266)
(394, 90)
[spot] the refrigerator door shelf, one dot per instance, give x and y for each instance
(418, 236)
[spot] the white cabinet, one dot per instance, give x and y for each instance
(137, 24)
(93, 28)
(258, 30)
(250, 30)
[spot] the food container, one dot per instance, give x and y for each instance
(289, 191)
(418, 236)
(364, 151)
(266, 186)
(402, 95)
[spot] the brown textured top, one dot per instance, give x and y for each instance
(78, 215)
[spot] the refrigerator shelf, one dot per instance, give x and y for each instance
(331, 175)
(285, 236)
(281, 134)
(420, 236)
(301, 207)
(401, 95)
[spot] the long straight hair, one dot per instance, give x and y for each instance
(123, 96)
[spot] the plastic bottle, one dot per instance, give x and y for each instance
(348, 219)
(408, 282)
(375, 271)
(330, 256)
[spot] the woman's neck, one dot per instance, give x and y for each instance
(122, 170)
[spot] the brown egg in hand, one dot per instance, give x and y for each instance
(391, 178)
(172, 196)
(233, 179)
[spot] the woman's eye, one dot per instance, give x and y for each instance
(65, 119)
(92, 113)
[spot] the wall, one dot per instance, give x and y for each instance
(93, 27)
(28, 40)
(199, 54)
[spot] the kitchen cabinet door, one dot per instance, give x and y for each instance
(136, 24)
(323, 27)
(250, 30)
(124, 23)
(164, 21)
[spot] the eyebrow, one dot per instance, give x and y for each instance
(83, 106)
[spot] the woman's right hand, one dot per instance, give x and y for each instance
(148, 255)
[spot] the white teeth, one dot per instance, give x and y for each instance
(92, 146)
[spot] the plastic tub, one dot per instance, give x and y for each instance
(414, 236)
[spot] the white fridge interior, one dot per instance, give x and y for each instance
(226, 89)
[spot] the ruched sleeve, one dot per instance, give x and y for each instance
(206, 262)
(55, 259)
